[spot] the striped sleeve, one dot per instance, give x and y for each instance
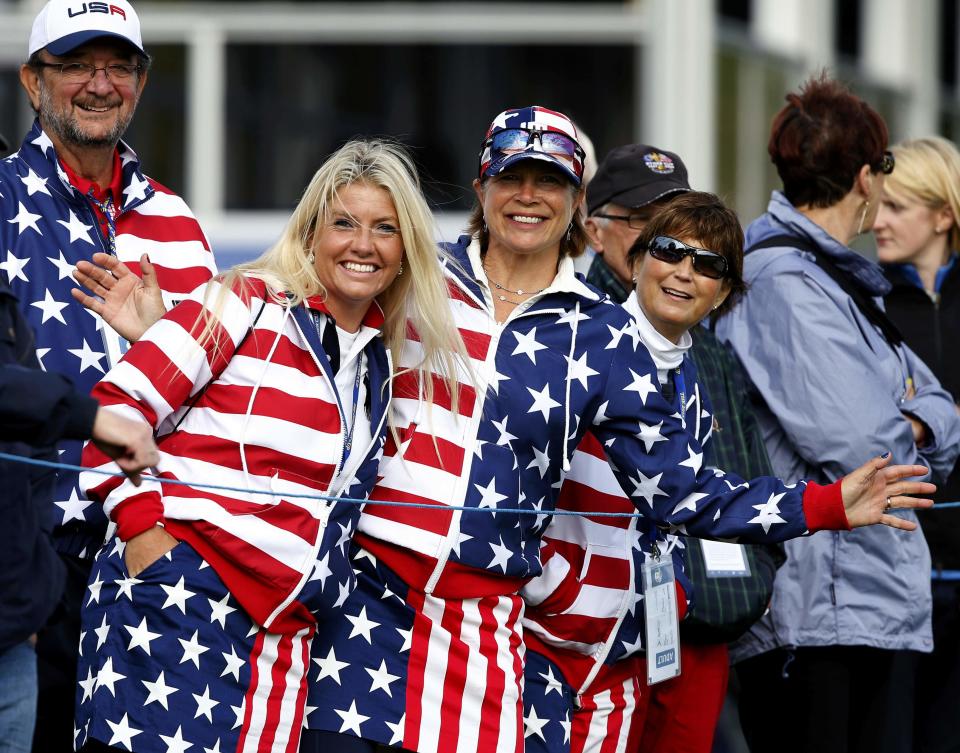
(156, 380)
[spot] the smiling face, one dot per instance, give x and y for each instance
(528, 207)
(91, 113)
(673, 297)
(358, 251)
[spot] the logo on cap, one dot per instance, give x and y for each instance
(658, 163)
(97, 8)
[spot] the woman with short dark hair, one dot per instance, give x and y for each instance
(834, 382)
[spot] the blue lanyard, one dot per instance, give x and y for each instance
(108, 211)
(348, 435)
(682, 392)
(681, 387)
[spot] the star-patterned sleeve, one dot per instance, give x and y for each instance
(154, 382)
(660, 467)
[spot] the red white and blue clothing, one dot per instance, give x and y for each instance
(585, 613)
(564, 363)
(254, 407)
(47, 224)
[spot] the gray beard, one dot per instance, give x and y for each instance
(68, 130)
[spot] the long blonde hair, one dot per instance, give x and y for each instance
(928, 171)
(419, 296)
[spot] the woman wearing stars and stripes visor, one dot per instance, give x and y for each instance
(427, 655)
(272, 382)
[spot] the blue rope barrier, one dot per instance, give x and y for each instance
(319, 497)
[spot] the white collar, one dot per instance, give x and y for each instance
(666, 354)
(566, 280)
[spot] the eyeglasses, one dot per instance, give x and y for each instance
(672, 251)
(515, 140)
(886, 163)
(83, 72)
(635, 221)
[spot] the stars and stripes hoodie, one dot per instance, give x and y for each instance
(254, 408)
(564, 363)
(46, 226)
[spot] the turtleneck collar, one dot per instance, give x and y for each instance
(666, 354)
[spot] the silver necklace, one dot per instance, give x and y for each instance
(505, 289)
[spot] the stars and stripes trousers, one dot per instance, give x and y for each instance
(170, 662)
(419, 672)
(608, 718)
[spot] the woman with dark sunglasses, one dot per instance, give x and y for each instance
(835, 383)
(581, 642)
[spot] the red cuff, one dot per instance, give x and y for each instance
(137, 514)
(681, 601)
(823, 507)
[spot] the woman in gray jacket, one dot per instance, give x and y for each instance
(828, 668)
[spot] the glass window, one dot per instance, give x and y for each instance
(288, 107)
(157, 133)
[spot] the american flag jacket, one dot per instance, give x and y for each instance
(254, 408)
(564, 363)
(586, 609)
(46, 226)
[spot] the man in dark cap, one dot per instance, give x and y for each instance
(631, 185)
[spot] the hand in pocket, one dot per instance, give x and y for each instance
(146, 548)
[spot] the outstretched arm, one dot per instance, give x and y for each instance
(126, 302)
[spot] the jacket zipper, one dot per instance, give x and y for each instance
(443, 556)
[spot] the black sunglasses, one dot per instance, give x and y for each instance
(886, 163)
(670, 250)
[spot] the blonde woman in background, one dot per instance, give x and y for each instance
(917, 243)
(274, 378)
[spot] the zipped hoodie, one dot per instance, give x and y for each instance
(254, 408)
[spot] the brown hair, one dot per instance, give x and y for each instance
(704, 217)
(821, 139)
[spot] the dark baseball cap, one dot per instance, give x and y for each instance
(635, 175)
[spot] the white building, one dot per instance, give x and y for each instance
(246, 98)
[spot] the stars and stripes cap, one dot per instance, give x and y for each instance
(532, 132)
(64, 25)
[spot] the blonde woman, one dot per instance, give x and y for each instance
(273, 379)
(917, 243)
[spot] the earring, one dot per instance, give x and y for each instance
(311, 258)
(863, 216)
(483, 228)
(938, 230)
(569, 230)
(634, 278)
(400, 272)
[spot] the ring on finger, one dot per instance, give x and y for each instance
(888, 505)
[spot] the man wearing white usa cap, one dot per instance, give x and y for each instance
(73, 194)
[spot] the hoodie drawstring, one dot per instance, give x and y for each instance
(566, 401)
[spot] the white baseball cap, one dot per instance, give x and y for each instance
(64, 25)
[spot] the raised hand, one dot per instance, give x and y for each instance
(126, 302)
(876, 488)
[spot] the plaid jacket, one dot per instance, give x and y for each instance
(736, 446)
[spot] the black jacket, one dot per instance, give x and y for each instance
(36, 409)
(932, 330)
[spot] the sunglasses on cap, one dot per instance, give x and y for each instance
(670, 250)
(512, 141)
